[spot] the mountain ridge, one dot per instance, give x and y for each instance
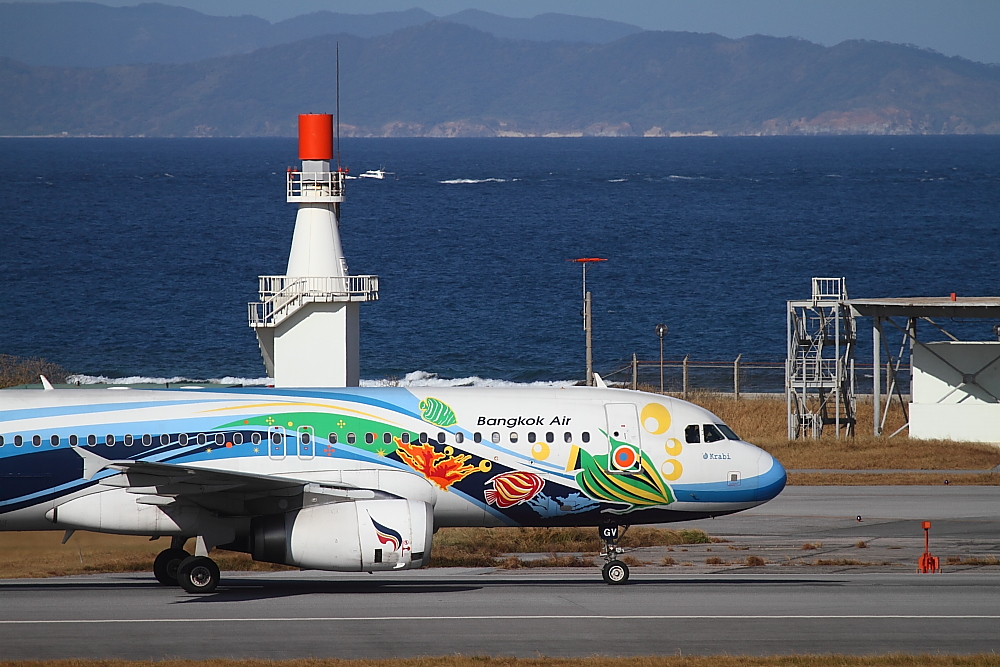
(442, 79)
(89, 34)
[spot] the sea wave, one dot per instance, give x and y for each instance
(82, 379)
(425, 379)
(464, 181)
(413, 379)
(617, 180)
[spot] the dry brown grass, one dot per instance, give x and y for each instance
(40, 554)
(25, 370)
(891, 660)
(973, 560)
(485, 547)
(890, 479)
(762, 421)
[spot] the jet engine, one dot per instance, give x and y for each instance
(357, 536)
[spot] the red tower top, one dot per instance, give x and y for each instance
(315, 136)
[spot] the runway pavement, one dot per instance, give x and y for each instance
(730, 609)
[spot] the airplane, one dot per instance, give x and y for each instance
(359, 479)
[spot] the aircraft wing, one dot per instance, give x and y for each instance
(224, 491)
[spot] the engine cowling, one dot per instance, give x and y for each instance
(358, 536)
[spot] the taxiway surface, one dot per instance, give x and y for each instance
(764, 610)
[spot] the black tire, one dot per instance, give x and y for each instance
(615, 573)
(166, 564)
(198, 574)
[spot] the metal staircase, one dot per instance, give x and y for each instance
(819, 368)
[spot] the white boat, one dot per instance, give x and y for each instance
(374, 173)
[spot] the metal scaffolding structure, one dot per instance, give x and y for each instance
(819, 367)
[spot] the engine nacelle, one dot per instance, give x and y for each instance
(359, 536)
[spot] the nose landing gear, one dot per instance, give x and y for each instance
(614, 572)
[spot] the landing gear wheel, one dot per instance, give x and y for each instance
(198, 574)
(615, 572)
(166, 564)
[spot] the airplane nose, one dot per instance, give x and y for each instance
(771, 477)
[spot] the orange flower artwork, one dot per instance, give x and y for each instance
(444, 469)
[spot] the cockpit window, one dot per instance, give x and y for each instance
(692, 434)
(728, 432)
(713, 434)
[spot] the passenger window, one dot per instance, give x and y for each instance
(18, 441)
(423, 438)
(73, 441)
(147, 440)
(477, 437)
(237, 438)
(202, 439)
(332, 438)
(495, 438)
(91, 440)
(531, 436)
(1, 441)
(459, 437)
(351, 439)
(54, 441)
(550, 437)
(255, 438)
(713, 434)
(220, 438)
(36, 441)
(110, 440)
(182, 439)
(585, 436)
(305, 438)
(567, 437)
(369, 438)
(128, 439)
(164, 438)
(442, 436)
(404, 437)
(728, 432)
(275, 438)
(387, 438)
(692, 434)
(513, 436)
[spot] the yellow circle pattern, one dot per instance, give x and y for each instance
(673, 446)
(659, 415)
(540, 451)
(676, 470)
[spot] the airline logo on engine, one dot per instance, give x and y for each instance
(387, 535)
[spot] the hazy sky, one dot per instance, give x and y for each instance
(968, 28)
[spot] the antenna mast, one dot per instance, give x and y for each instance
(337, 146)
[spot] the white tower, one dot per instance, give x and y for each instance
(307, 320)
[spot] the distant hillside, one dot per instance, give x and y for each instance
(442, 79)
(87, 34)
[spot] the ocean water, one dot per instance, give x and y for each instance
(135, 258)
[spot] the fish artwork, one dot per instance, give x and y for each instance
(513, 488)
(437, 412)
(643, 489)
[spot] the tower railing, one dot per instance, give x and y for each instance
(281, 296)
(315, 186)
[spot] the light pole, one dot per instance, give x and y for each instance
(661, 331)
(587, 321)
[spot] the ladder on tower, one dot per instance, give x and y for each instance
(819, 368)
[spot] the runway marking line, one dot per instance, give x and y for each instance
(577, 617)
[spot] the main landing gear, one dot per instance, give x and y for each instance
(614, 572)
(177, 567)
